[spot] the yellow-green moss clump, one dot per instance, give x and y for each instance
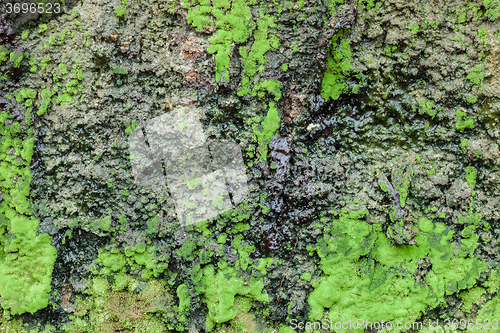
(221, 290)
(269, 126)
(26, 259)
(233, 25)
(339, 65)
(367, 278)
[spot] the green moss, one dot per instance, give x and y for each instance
(477, 76)
(339, 64)
(123, 305)
(463, 122)
(184, 300)
(4, 52)
(254, 59)
(44, 62)
(46, 99)
(63, 99)
(429, 107)
(133, 258)
(493, 283)
(152, 225)
(186, 251)
(63, 68)
(121, 11)
(414, 29)
(15, 59)
(233, 25)
(487, 316)
(199, 16)
(367, 278)
(471, 297)
(306, 276)
(118, 70)
(33, 65)
(389, 50)
(492, 9)
(220, 290)
(130, 126)
(202, 226)
(22, 288)
(269, 126)
(464, 143)
(42, 27)
(25, 34)
(470, 176)
(24, 94)
(104, 223)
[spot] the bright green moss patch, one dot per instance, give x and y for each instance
(139, 258)
(269, 126)
(339, 64)
(4, 52)
(367, 278)
(413, 29)
(46, 99)
(470, 176)
(471, 297)
(429, 107)
(22, 288)
(220, 290)
(463, 122)
(184, 298)
(477, 76)
(24, 94)
(199, 16)
(306, 276)
(63, 68)
(121, 11)
(254, 59)
(233, 25)
(42, 27)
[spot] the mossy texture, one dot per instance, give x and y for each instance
(269, 126)
(26, 259)
(339, 65)
(220, 290)
(123, 305)
(365, 277)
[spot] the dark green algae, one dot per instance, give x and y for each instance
(218, 275)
